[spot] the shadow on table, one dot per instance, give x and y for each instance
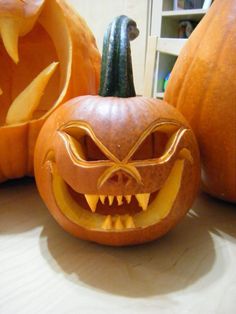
(178, 260)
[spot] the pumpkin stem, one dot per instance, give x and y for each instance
(116, 71)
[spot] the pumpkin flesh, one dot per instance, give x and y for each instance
(203, 89)
(51, 33)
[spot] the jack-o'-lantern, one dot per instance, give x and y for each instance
(43, 44)
(117, 170)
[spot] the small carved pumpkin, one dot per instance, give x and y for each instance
(120, 169)
(42, 45)
(202, 87)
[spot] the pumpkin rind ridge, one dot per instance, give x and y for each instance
(202, 88)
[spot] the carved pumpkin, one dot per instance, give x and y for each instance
(42, 45)
(120, 169)
(203, 88)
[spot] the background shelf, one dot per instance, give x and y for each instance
(165, 26)
(196, 14)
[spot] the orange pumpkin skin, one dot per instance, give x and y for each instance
(203, 89)
(116, 126)
(51, 31)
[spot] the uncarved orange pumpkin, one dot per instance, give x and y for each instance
(115, 168)
(47, 55)
(202, 86)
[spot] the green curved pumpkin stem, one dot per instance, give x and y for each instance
(116, 71)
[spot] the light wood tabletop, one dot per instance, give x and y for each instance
(45, 270)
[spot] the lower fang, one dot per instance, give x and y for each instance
(107, 224)
(118, 224)
(129, 222)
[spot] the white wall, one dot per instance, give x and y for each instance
(99, 13)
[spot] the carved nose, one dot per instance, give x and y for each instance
(120, 177)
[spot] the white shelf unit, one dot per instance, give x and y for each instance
(164, 26)
(167, 50)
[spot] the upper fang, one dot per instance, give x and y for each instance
(143, 200)
(102, 198)
(92, 201)
(119, 200)
(9, 29)
(110, 198)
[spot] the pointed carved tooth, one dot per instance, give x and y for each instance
(10, 33)
(118, 223)
(92, 200)
(119, 199)
(102, 198)
(110, 198)
(129, 222)
(1, 91)
(26, 102)
(128, 198)
(107, 224)
(143, 200)
(186, 154)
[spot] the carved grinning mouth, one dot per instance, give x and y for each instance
(151, 208)
(118, 209)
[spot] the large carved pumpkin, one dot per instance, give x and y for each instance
(203, 87)
(119, 169)
(43, 44)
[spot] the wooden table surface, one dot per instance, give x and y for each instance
(45, 270)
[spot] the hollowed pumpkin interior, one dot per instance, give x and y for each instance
(158, 208)
(34, 84)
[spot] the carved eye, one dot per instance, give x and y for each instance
(82, 145)
(157, 143)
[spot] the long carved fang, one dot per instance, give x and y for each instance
(107, 224)
(110, 198)
(92, 201)
(128, 198)
(129, 222)
(10, 33)
(119, 200)
(1, 92)
(102, 199)
(143, 200)
(26, 102)
(118, 223)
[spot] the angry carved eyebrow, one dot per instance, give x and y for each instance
(74, 130)
(77, 129)
(168, 127)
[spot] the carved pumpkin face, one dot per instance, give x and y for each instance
(117, 170)
(43, 43)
